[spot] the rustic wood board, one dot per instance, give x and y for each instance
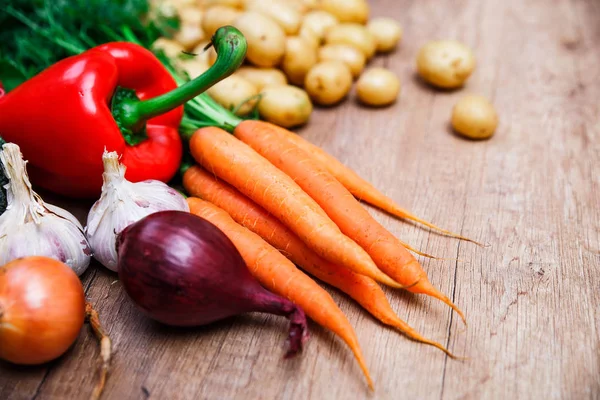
(531, 194)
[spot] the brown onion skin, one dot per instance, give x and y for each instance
(181, 270)
(42, 310)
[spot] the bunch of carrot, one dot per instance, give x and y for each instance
(284, 201)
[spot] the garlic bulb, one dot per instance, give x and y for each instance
(123, 203)
(31, 227)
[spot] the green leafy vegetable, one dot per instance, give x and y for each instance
(37, 33)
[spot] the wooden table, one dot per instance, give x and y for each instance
(531, 193)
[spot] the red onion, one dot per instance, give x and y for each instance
(181, 270)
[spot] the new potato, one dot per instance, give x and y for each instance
(239, 4)
(262, 77)
(347, 10)
(302, 6)
(233, 92)
(190, 32)
(378, 87)
(285, 105)
(300, 56)
(171, 48)
(328, 82)
(445, 63)
(353, 34)
(218, 16)
(474, 117)
(310, 36)
(349, 55)
(319, 22)
(387, 33)
(194, 67)
(279, 11)
(266, 39)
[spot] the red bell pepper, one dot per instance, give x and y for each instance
(117, 97)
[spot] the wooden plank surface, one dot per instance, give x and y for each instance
(531, 194)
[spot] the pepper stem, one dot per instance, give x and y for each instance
(131, 114)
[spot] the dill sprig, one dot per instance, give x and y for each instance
(37, 33)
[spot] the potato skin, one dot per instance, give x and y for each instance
(348, 54)
(378, 87)
(319, 22)
(328, 82)
(285, 105)
(266, 39)
(356, 11)
(218, 16)
(234, 91)
(300, 56)
(279, 11)
(262, 77)
(387, 33)
(474, 117)
(355, 35)
(445, 63)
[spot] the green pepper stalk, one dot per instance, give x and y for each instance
(131, 114)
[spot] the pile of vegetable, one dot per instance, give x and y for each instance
(299, 53)
(302, 52)
(268, 216)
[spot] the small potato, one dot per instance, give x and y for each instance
(189, 35)
(218, 16)
(387, 33)
(349, 55)
(378, 87)
(171, 48)
(474, 117)
(239, 4)
(261, 77)
(193, 67)
(285, 106)
(328, 82)
(347, 10)
(279, 11)
(319, 22)
(233, 92)
(445, 63)
(208, 56)
(300, 56)
(310, 36)
(191, 15)
(302, 6)
(266, 39)
(352, 34)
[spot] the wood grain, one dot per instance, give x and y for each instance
(531, 193)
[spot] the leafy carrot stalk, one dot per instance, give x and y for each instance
(280, 276)
(360, 188)
(236, 163)
(198, 182)
(339, 204)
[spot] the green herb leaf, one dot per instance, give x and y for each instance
(10, 76)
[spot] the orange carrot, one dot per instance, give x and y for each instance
(280, 276)
(360, 188)
(239, 165)
(339, 204)
(198, 182)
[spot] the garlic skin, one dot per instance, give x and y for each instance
(31, 227)
(122, 203)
